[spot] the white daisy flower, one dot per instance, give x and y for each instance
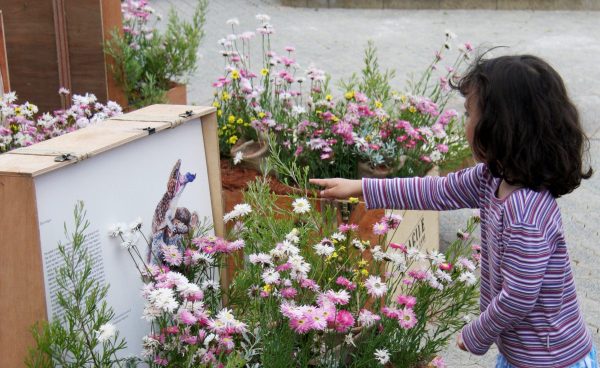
(106, 332)
(233, 22)
(238, 158)
(382, 356)
(301, 205)
(338, 236)
(270, 276)
(375, 286)
(323, 249)
(468, 278)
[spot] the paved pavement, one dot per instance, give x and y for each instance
(334, 40)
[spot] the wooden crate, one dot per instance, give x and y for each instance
(119, 168)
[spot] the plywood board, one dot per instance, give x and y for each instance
(22, 300)
(166, 113)
(28, 165)
(135, 125)
(83, 143)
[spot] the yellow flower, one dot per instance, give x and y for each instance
(403, 99)
(334, 254)
(353, 200)
(264, 72)
(17, 110)
(334, 241)
(342, 248)
(232, 139)
(231, 119)
(225, 96)
(216, 104)
(240, 121)
(335, 119)
(329, 97)
(246, 124)
(235, 74)
(349, 95)
(364, 272)
(378, 104)
(261, 115)
(267, 288)
(362, 263)
(219, 113)
(412, 109)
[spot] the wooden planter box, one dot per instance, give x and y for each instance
(119, 168)
(177, 95)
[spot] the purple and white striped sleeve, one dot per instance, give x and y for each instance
(524, 262)
(457, 190)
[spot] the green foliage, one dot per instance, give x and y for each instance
(147, 62)
(75, 340)
(373, 82)
(440, 311)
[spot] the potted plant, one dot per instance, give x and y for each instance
(371, 130)
(152, 66)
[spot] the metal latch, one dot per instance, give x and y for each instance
(150, 130)
(65, 157)
(187, 114)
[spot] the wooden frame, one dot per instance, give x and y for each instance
(59, 43)
(3, 59)
(22, 286)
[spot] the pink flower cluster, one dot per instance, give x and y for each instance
(171, 297)
(21, 125)
(305, 318)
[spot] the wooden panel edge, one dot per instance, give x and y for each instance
(22, 296)
(111, 19)
(3, 59)
(211, 149)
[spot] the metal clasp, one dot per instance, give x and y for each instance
(64, 157)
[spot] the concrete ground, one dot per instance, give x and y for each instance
(334, 40)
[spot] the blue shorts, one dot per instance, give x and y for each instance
(589, 361)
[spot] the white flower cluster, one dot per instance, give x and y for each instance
(239, 210)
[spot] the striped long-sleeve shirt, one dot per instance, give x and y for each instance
(528, 302)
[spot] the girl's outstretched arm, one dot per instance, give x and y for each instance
(457, 190)
(339, 188)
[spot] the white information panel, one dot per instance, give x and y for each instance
(118, 186)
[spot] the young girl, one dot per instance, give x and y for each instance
(525, 132)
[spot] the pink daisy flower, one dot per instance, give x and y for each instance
(407, 318)
(399, 246)
(407, 300)
(438, 362)
(289, 293)
(172, 255)
(343, 321)
(338, 297)
(367, 318)
(380, 228)
(300, 325)
(342, 281)
(186, 317)
(317, 319)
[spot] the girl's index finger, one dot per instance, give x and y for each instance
(320, 182)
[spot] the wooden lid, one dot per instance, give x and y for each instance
(70, 148)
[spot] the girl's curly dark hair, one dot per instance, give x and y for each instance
(528, 132)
